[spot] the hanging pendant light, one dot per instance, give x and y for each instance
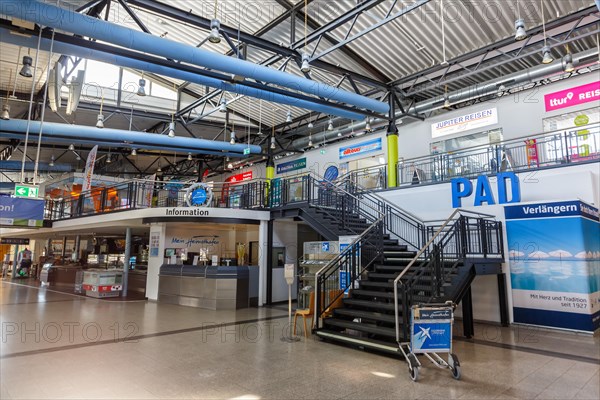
(159, 169)
(51, 163)
(310, 142)
(134, 152)
(547, 55)
(305, 63)
(171, 129)
(5, 111)
(520, 31)
(108, 159)
(310, 125)
(368, 124)
(71, 147)
(26, 69)
(142, 87)
(100, 121)
(215, 35)
(223, 106)
(568, 62)
(289, 118)
(232, 138)
(330, 126)
(446, 98)
(273, 145)
(190, 157)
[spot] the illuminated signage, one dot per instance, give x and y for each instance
(361, 148)
(244, 176)
(572, 97)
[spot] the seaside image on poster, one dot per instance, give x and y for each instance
(554, 255)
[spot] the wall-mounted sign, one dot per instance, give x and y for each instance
(193, 241)
(572, 97)
(291, 166)
(244, 176)
(6, 240)
(21, 212)
(331, 173)
(464, 123)
(26, 191)
(463, 188)
(198, 195)
(361, 148)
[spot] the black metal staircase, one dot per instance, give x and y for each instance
(364, 295)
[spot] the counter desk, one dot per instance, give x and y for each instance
(210, 287)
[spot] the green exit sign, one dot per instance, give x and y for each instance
(247, 151)
(26, 191)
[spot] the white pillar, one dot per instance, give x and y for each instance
(262, 262)
(155, 259)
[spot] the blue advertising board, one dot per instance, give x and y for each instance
(21, 212)
(554, 255)
(361, 148)
(331, 173)
(291, 166)
(431, 330)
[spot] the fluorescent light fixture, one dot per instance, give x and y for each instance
(215, 36)
(100, 122)
(26, 69)
(520, 33)
(142, 87)
(171, 129)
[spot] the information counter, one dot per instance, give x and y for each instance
(61, 275)
(210, 287)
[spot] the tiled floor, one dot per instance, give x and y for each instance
(59, 346)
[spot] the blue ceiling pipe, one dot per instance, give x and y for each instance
(87, 53)
(132, 139)
(12, 165)
(69, 21)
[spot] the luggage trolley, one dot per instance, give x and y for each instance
(430, 334)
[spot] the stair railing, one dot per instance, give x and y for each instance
(339, 275)
(453, 241)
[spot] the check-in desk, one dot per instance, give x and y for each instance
(210, 287)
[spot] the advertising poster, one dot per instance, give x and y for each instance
(89, 169)
(361, 148)
(21, 212)
(554, 255)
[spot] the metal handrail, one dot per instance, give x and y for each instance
(410, 264)
(335, 260)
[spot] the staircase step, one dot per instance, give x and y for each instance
(378, 275)
(358, 341)
(381, 285)
(361, 327)
(372, 305)
(399, 254)
(371, 315)
(372, 293)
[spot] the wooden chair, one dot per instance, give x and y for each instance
(334, 302)
(305, 313)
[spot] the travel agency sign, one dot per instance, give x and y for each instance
(572, 97)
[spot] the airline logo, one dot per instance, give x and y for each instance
(361, 148)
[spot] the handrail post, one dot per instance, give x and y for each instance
(437, 268)
(483, 234)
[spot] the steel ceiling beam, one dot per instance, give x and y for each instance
(253, 40)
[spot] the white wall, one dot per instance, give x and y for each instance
(285, 234)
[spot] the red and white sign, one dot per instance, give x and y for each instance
(572, 97)
(245, 176)
(104, 288)
(89, 169)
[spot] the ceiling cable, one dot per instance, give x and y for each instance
(30, 105)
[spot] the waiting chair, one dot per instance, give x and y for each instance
(305, 313)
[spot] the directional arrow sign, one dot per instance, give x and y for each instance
(26, 191)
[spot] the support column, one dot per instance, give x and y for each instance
(269, 256)
(77, 245)
(502, 297)
(467, 309)
(13, 275)
(126, 261)
(392, 155)
(64, 248)
(262, 262)
(270, 175)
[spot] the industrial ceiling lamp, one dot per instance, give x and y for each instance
(171, 129)
(71, 147)
(273, 145)
(569, 67)
(108, 158)
(100, 121)
(159, 169)
(223, 106)
(51, 163)
(26, 69)
(232, 138)
(5, 111)
(142, 87)
(289, 119)
(330, 126)
(134, 152)
(446, 98)
(546, 53)
(520, 32)
(190, 157)
(310, 125)
(215, 35)
(305, 63)
(368, 124)
(310, 142)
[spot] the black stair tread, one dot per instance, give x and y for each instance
(370, 304)
(399, 254)
(371, 293)
(393, 247)
(350, 312)
(359, 340)
(361, 327)
(385, 285)
(377, 275)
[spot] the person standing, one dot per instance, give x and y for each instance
(24, 260)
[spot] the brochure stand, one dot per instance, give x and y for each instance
(289, 277)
